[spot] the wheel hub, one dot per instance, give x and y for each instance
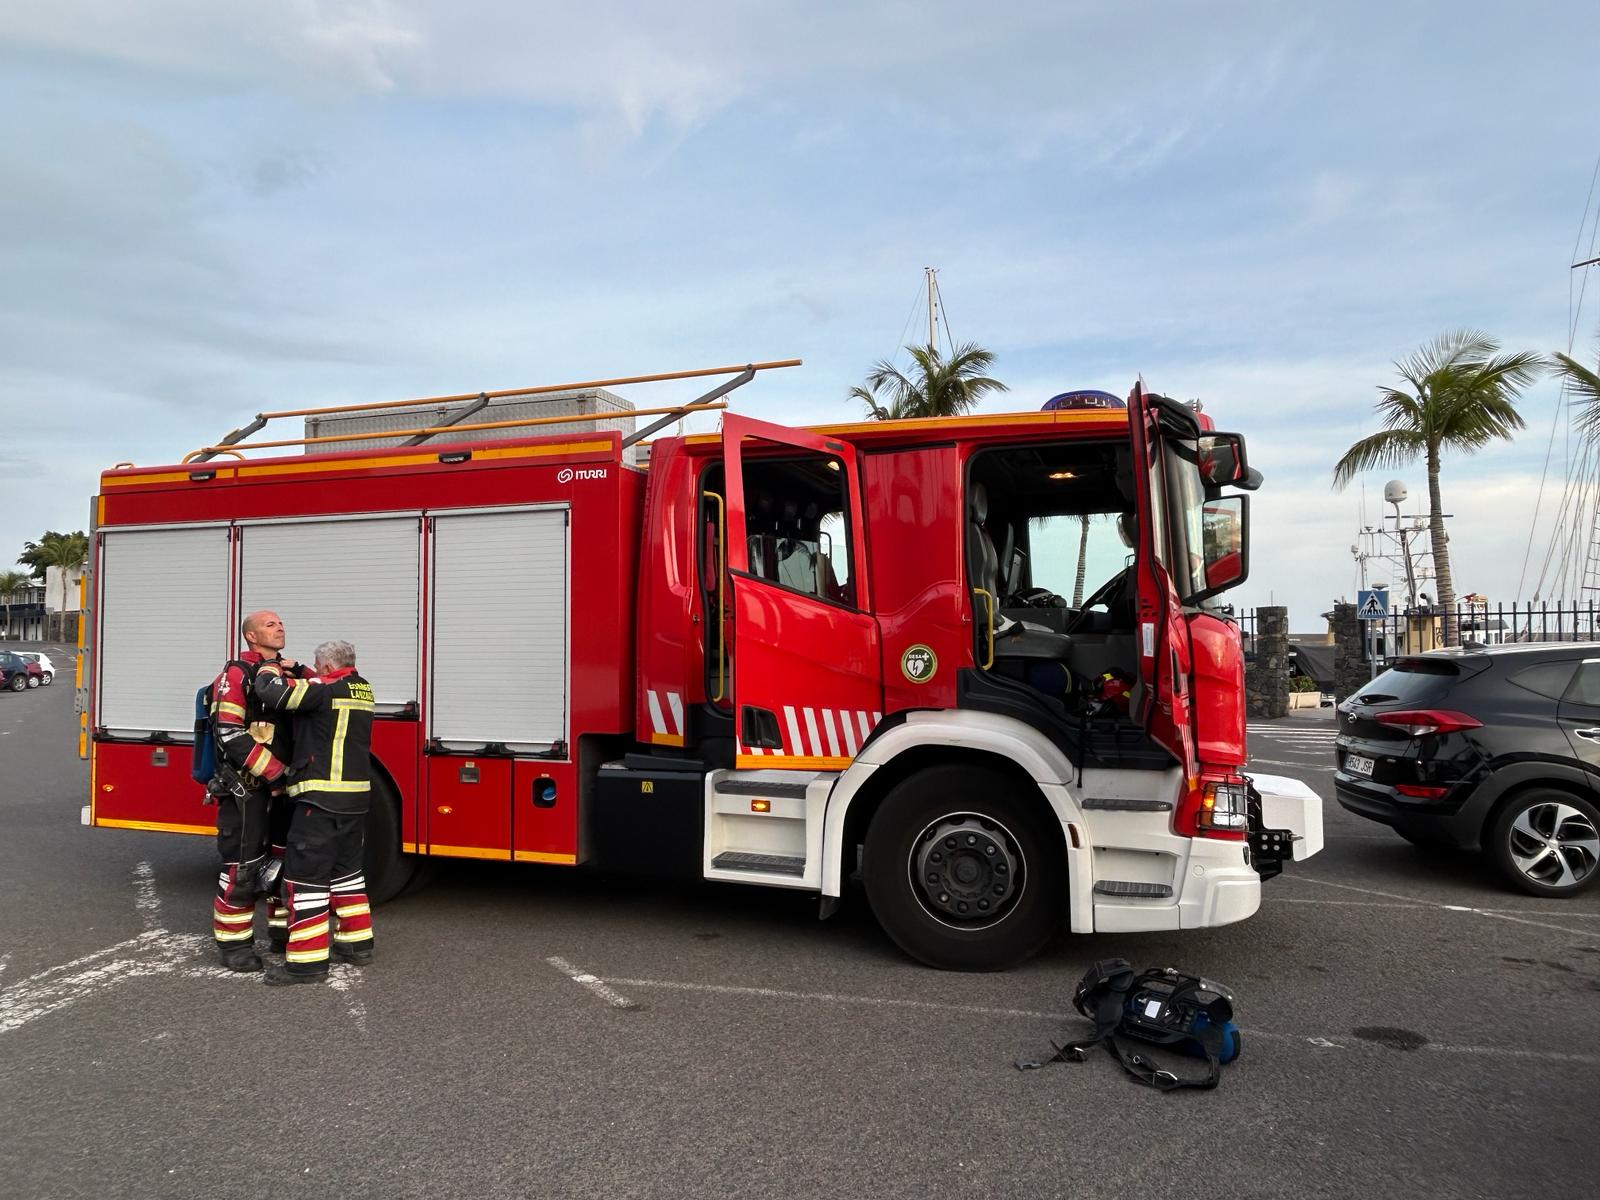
(1555, 844)
(966, 869)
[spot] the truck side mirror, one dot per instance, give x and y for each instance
(1222, 461)
(1226, 532)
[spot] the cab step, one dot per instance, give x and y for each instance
(757, 787)
(764, 864)
(1127, 888)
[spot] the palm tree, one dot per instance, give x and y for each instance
(937, 386)
(1459, 394)
(64, 550)
(10, 581)
(1083, 560)
(1584, 384)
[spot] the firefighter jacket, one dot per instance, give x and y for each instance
(253, 744)
(332, 713)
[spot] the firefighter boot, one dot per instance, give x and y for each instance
(279, 975)
(357, 956)
(239, 958)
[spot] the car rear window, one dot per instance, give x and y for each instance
(1416, 681)
(1586, 685)
(1546, 679)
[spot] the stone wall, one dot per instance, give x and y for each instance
(1266, 675)
(1350, 667)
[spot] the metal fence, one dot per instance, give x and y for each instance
(1416, 630)
(1419, 629)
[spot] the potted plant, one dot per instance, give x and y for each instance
(1303, 692)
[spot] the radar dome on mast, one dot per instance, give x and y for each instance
(1394, 492)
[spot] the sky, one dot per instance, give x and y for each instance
(207, 210)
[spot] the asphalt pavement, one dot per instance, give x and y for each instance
(1411, 1028)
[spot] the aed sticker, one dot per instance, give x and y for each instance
(919, 663)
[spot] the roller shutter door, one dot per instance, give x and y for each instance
(165, 627)
(354, 580)
(498, 655)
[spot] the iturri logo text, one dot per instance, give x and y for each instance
(567, 474)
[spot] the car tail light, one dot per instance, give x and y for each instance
(1417, 791)
(1219, 808)
(1425, 721)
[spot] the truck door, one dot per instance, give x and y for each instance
(807, 684)
(1162, 637)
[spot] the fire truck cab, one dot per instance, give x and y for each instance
(777, 656)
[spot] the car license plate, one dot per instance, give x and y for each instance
(1358, 764)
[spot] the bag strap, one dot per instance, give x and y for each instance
(1106, 988)
(1163, 1080)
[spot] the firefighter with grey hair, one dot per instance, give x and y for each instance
(330, 786)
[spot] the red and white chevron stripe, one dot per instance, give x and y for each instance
(821, 733)
(666, 712)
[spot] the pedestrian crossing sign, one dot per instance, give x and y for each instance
(1372, 605)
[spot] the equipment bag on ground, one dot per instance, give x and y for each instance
(1162, 1007)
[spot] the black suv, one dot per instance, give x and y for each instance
(1496, 748)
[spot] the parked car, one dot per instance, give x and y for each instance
(45, 665)
(1495, 748)
(17, 673)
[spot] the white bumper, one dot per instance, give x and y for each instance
(1212, 885)
(1212, 882)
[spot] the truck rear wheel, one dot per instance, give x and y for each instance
(388, 870)
(962, 871)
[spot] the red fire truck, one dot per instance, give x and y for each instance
(772, 656)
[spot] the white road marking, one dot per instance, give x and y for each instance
(156, 951)
(1043, 1015)
(344, 980)
(839, 998)
(1278, 762)
(50, 991)
(145, 897)
(583, 979)
(1480, 912)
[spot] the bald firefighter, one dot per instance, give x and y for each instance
(329, 790)
(253, 819)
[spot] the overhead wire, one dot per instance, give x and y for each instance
(1574, 476)
(938, 299)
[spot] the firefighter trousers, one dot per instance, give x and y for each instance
(325, 888)
(247, 831)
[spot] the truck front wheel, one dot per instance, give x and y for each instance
(962, 871)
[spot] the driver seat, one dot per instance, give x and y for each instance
(983, 563)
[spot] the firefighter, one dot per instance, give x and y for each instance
(251, 827)
(329, 789)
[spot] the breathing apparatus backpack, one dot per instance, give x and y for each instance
(1161, 1006)
(208, 767)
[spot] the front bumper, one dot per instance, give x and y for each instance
(1286, 822)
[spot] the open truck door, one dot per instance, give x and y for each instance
(806, 665)
(1163, 699)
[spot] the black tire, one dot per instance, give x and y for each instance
(387, 868)
(49, 678)
(962, 836)
(1546, 842)
(19, 683)
(33, 681)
